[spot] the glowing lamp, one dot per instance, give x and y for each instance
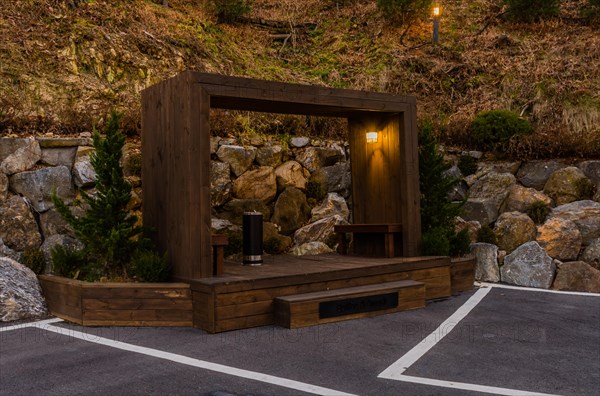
(371, 137)
(436, 11)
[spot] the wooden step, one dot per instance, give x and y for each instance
(300, 310)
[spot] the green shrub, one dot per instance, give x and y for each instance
(316, 190)
(133, 164)
(486, 235)
(492, 130)
(234, 246)
(272, 245)
(537, 211)
(532, 10)
(460, 243)
(34, 259)
(149, 266)
(585, 189)
(467, 165)
(404, 11)
(436, 242)
(107, 230)
(230, 11)
(72, 263)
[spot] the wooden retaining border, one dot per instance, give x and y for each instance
(462, 274)
(118, 304)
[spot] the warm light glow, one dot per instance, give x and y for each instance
(436, 11)
(371, 137)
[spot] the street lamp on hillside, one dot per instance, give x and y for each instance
(436, 23)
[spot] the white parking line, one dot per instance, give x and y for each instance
(401, 365)
(533, 289)
(396, 370)
(39, 324)
(252, 375)
(469, 387)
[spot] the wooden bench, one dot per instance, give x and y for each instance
(368, 239)
(328, 306)
(218, 243)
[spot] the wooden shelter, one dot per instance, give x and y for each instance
(176, 156)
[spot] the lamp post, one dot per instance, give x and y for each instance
(436, 23)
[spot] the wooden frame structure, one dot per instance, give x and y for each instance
(176, 160)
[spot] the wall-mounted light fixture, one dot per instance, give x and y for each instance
(372, 137)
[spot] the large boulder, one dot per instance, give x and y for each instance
(472, 227)
(333, 204)
(486, 262)
(528, 265)
(238, 157)
(311, 249)
(20, 293)
(536, 173)
(234, 209)
(321, 231)
(562, 185)
(291, 210)
(299, 141)
(24, 158)
(83, 172)
(591, 254)
(18, 228)
(560, 238)
(222, 226)
(56, 156)
(256, 184)
(313, 158)
(58, 240)
(513, 229)
(39, 185)
(493, 188)
(51, 223)
(220, 183)
(273, 241)
(585, 214)
(520, 199)
(269, 155)
(577, 276)
(458, 192)
(3, 187)
(591, 169)
(5, 251)
(512, 167)
(291, 174)
(482, 210)
(337, 178)
(10, 145)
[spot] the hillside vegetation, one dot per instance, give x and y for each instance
(65, 63)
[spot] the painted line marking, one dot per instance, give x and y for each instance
(533, 289)
(401, 365)
(219, 368)
(469, 387)
(39, 324)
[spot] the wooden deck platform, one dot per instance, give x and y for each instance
(244, 296)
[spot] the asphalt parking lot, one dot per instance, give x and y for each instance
(489, 341)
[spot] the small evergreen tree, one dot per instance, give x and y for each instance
(437, 211)
(107, 230)
(403, 11)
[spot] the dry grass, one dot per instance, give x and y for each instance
(63, 64)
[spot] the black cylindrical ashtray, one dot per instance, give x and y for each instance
(252, 235)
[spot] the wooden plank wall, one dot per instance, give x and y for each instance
(118, 304)
(216, 311)
(375, 170)
(175, 173)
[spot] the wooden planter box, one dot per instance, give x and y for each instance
(462, 274)
(118, 304)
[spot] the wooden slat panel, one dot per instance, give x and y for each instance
(204, 311)
(241, 310)
(128, 304)
(138, 323)
(245, 322)
(63, 297)
(139, 315)
(136, 293)
(327, 295)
